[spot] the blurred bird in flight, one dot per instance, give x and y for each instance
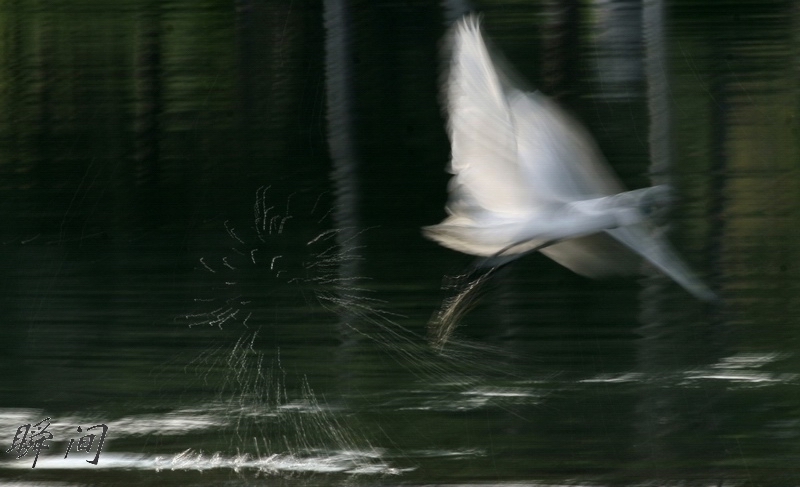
(526, 177)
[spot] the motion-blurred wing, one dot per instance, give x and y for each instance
(561, 163)
(484, 151)
(558, 158)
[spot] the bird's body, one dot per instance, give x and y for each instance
(527, 177)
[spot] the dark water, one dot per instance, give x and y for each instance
(210, 243)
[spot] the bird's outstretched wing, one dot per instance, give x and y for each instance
(525, 175)
(485, 167)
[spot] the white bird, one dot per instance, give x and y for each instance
(526, 177)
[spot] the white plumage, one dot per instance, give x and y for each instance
(527, 177)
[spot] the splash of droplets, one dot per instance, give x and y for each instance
(286, 259)
(280, 430)
(262, 259)
(287, 256)
(283, 268)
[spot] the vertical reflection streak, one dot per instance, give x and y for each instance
(338, 89)
(339, 108)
